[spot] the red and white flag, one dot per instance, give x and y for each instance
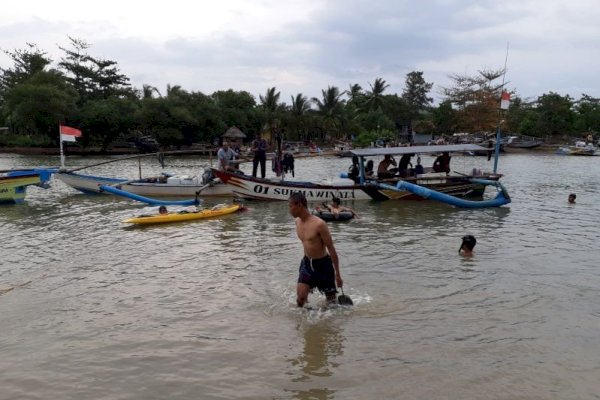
(505, 100)
(68, 134)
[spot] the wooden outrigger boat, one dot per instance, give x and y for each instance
(160, 186)
(455, 185)
(164, 185)
(13, 183)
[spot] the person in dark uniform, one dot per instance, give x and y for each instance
(259, 147)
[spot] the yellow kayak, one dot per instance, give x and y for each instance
(216, 211)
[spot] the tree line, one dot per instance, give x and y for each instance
(90, 93)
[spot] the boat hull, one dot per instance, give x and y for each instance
(264, 189)
(566, 151)
(14, 188)
(184, 216)
(184, 188)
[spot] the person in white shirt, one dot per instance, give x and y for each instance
(225, 157)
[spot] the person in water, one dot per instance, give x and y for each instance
(320, 266)
(572, 198)
(162, 210)
(335, 208)
(467, 245)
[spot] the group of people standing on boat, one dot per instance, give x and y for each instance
(228, 159)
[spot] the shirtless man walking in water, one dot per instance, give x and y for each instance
(320, 266)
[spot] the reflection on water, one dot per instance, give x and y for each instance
(322, 344)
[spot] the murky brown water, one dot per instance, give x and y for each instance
(205, 310)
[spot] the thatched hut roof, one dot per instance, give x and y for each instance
(234, 133)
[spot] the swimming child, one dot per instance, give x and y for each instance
(467, 245)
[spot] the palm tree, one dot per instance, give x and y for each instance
(173, 91)
(354, 93)
(331, 108)
(148, 91)
(270, 101)
(270, 104)
(300, 106)
(375, 96)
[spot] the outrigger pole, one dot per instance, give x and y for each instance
(137, 156)
(498, 133)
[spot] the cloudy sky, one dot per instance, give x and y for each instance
(305, 46)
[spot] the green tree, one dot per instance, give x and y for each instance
(270, 110)
(330, 109)
(27, 62)
(237, 109)
(555, 114)
(38, 104)
(105, 120)
(477, 100)
(374, 97)
(270, 101)
(416, 91)
(298, 121)
(587, 115)
(444, 118)
(148, 92)
(92, 78)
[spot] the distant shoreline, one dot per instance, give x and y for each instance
(91, 151)
(97, 151)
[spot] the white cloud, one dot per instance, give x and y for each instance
(305, 46)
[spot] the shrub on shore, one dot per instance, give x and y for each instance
(12, 140)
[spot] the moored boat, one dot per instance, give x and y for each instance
(523, 142)
(161, 186)
(14, 183)
(580, 148)
(460, 185)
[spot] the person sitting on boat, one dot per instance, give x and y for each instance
(369, 169)
(335, 208)
(419, 168)
(403, 165)
(225, 157)
(354, 170)
(442, 163)
(467, 245)
(572, 198)
(382, 169)
(162, 210)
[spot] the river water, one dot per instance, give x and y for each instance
(206, 310)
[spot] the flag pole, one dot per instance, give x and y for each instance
(62, 154)
(498, 133)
